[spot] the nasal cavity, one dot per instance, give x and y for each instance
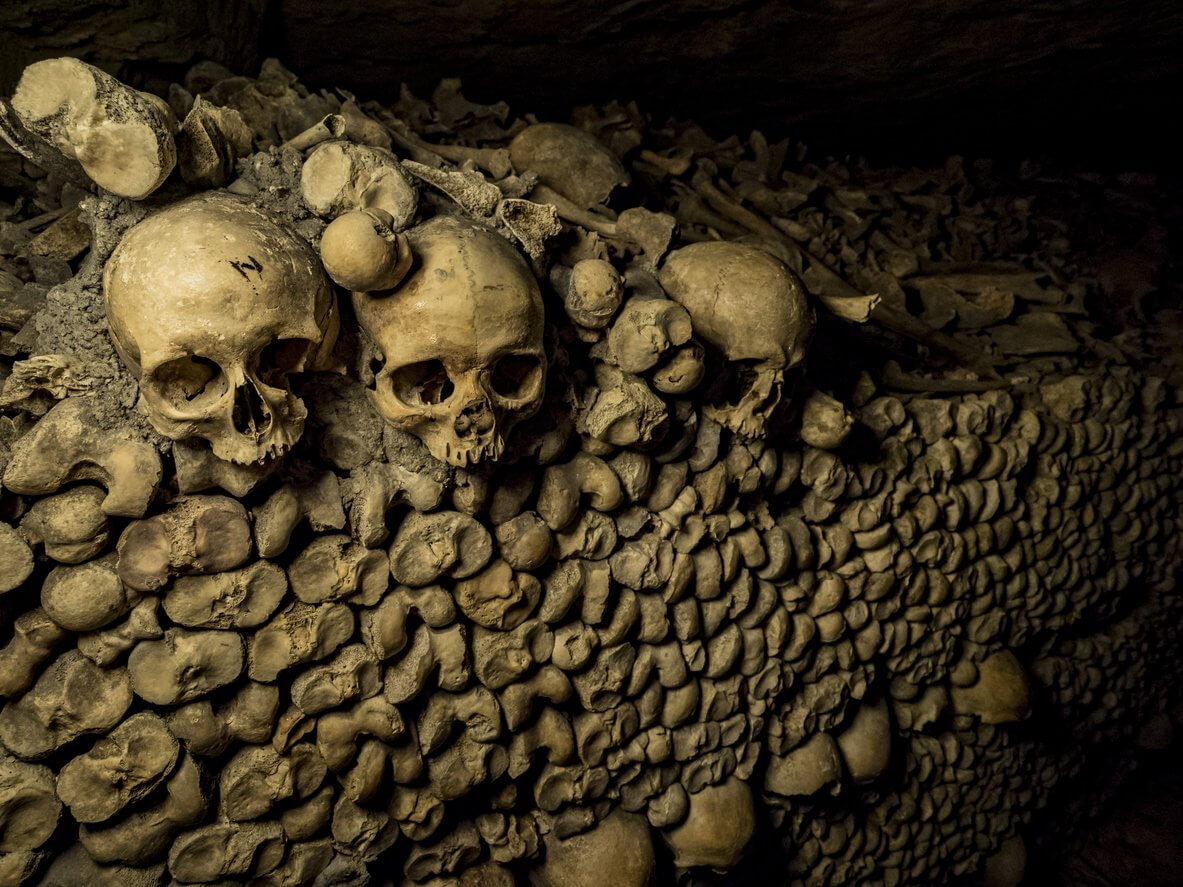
(476, 418)
(251, 415)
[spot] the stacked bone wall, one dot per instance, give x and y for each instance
(897, 655)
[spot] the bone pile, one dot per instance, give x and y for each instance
(420, 494)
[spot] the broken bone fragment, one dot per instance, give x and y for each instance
(121, 138)
(209, 142)
(214, 303)
(476, 368)
(621, 410)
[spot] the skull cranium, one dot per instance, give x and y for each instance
(745, 303)
(461, 340)
(214, 302)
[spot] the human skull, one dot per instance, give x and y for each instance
(748, 305)
(461, 341)
(213, 303)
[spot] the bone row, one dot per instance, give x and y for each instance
(427, 665)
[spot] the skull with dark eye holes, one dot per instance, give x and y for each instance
(751, 308)
(461, 342)
(214, 303)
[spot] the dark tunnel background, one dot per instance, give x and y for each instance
(1093, 81)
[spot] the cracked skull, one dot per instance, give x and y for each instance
(461, 341)
(747, 305)
(214, 303)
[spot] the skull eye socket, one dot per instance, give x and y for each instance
(280, 358)
(516, 376)
(190, 381)
(421, 384)
(732, 380)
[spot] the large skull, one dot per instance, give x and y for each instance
(461, 340)
(748, 305)
(213, 303)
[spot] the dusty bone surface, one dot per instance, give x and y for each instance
(611, 538)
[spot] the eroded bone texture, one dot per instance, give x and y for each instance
(632, 556)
